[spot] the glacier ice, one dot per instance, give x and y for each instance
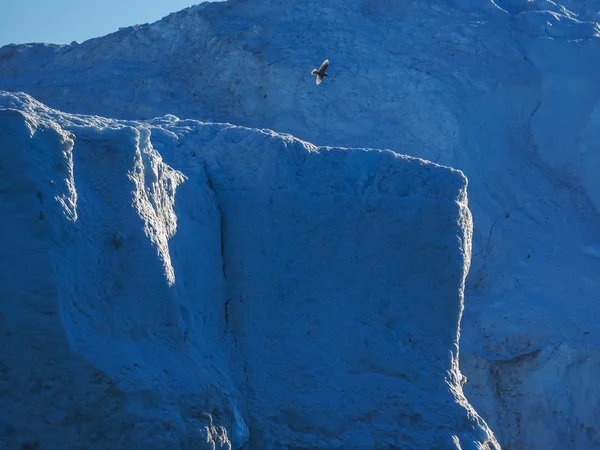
(506, 91)
(176, 284)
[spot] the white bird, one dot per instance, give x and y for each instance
(321, 72)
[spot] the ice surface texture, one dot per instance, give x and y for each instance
(174, 283)
(507, 91)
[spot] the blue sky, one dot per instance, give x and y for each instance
(64, 21)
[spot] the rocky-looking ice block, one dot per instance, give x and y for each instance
(345, 273)
(110, 307)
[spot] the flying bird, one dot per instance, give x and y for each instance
(321, 72)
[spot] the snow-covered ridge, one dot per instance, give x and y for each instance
(175, 283)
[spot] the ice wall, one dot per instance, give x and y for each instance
(173, 283)
(344, 273)
(532, 354)
(504, 90)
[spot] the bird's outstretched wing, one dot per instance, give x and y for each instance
(324, 66)
(319, 78)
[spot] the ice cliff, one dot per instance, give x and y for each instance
(176, 284)
(507, 91)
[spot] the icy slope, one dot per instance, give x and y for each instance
(507, 91)
(173, 283)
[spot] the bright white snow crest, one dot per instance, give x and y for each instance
(173, 283)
